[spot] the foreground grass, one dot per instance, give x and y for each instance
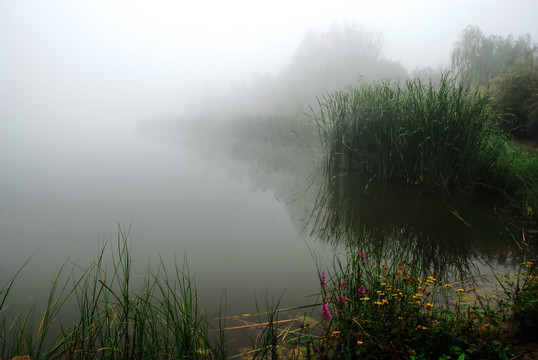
(158, 319)
(368, 307)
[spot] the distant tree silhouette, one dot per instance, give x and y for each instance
(342, 56)
(478, 58)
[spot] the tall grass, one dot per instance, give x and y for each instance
(423, 133)
(158, 317)
(441, 136)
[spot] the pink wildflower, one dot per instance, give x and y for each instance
(363, 258)
(325, 311)
(322, 280)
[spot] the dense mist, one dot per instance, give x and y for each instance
(110, 62)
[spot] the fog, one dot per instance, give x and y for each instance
(109, 62)
(81, 80)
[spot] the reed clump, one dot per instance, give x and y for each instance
(441, 136)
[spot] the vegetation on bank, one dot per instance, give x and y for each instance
(441, 136)
(369, 306)
(506, 65)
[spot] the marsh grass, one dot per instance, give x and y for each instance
(423, 133)
(118, 318)
(441, 136)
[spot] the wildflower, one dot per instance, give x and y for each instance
(344, 284)
(364, 299)
(448, 285)
(398, 272)
(363, 258)
(325, 311)
(429, 306)
(417, 296)
(460, 290)
(341, 299)
(360, 342)
(431, 278)
(362, 291)
(322, 280)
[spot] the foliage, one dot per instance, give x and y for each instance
(516, 97)
(479, 58)
(523, 293)
(508, 66)
(373, 310)
(511, 170)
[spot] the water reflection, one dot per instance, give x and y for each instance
(449, 236)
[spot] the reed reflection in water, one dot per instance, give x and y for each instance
(449, 236)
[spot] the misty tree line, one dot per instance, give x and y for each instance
(348, 55)
(508, 67)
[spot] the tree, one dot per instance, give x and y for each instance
(516, 97)
(479, 59)
(340, 57)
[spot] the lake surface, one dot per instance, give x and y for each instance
(250, 217)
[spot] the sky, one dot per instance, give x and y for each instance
(105, 59)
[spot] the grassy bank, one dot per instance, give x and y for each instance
(369, 306)
(441, 136)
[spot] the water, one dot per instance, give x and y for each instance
(63, 193)
(248, 216)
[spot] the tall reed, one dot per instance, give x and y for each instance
(423, 133)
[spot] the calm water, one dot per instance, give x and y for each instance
(247, 215)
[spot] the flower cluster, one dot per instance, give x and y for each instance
(362, 257)
(322, 280)
(325, 311)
